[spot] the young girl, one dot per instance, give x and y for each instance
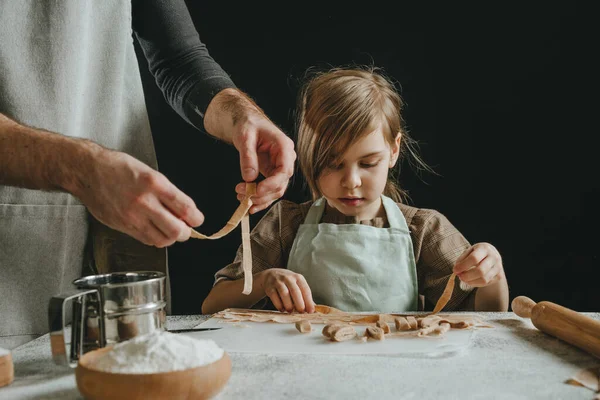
(356, 246)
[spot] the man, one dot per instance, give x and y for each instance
(75, 138)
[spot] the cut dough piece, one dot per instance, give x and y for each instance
(412, 322)
(588, 377)
(438, 329)
(319, 308)
(402, 324)
(384, 326)
(303, 326)
(7, 369)
(429, 321)
(375, 332)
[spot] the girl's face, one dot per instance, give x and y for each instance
(354, 186)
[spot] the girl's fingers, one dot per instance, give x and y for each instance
(478, 253)
(491, 276)
(307, 294)
(284, 294)
(276, 300)
(296, 296)
(479, 271)
(464, 254)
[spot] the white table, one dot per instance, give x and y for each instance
(512, 361)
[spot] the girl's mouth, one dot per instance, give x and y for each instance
(352, 202)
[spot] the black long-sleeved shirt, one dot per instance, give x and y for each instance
(181, 64)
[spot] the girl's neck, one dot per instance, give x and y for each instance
(374, 210)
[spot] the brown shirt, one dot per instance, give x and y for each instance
(436, 242)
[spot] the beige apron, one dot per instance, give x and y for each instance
(68, 67)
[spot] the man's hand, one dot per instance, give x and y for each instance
(263, 147)
(127, 195)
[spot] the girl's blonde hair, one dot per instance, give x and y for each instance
(337, 108)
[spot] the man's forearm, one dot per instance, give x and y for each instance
(37, 159)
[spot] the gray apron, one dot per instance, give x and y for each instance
(68, 67)
(357, 267)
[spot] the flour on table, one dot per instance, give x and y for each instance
(158, 351)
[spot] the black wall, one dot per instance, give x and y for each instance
(502, 101)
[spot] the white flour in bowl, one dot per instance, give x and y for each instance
(3, 352)
(159, 351)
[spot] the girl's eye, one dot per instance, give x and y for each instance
(369, 165)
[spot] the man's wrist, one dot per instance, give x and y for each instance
(227, 109)
(70, 172)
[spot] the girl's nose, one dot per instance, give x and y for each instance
(351, 178)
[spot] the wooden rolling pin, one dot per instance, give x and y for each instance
(7, 372)
(561, 322)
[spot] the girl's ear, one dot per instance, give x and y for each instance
(395, 150)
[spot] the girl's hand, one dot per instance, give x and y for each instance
(288, 290)
(480, 265)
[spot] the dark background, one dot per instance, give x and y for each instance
(502, 101)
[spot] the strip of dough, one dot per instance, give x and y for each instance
(446, 295)
(240, 214)
(246, 254)
(235, 219)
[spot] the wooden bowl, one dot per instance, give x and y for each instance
(194, 383)
(7, 371)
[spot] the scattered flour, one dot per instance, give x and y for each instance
(159, 351)
(3, 352)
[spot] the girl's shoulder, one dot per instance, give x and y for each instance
(290, 209)
(419, 217)
(286, 213)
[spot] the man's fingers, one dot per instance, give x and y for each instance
(240, 188)
(285, 156)
(171, 227)
(259, 207)
(248, 157)
(267, 191)
(182, 206)
(152, 236)
(276, 182)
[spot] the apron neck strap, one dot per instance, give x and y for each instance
(315, 212)
(393, 213)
